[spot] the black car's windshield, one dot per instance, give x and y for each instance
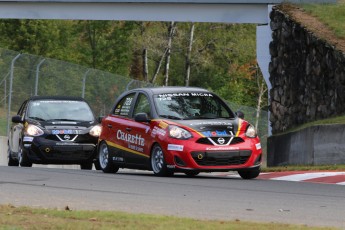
(191, 106)
(64, 110)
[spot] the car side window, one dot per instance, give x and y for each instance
(142, 105)
(123, 107)
(22, 110)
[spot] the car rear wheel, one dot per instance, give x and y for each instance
(86, 166)
(158, 164)
(104, 159)
(249, 173)
(23, 157)
(11, 161)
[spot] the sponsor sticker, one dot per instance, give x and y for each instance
(222, 148)
(258, 146)
(175, 147)
(158, 131)
(163, 125)
(216, 133)
(65, 131)
(28, 139)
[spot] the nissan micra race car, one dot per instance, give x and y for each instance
(53, 130)
(177, 129)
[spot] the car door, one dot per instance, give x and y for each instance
(114, 128)
(139, 152)
(16, 130)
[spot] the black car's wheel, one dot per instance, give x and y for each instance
(249, 173)
(158, 164)
(105, 162)
(23, 157)
(86, 166)
(11, 161)
(97, 164)
(191, 173)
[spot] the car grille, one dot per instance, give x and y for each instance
(206, 140)
(221, 158)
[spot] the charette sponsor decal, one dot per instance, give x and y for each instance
(175, 147)
(135, 141)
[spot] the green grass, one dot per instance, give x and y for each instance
(328, 121)
(304, 168)
(332, 15)
(28, 218)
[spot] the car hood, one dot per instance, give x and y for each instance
(60, 124)
(214, 127)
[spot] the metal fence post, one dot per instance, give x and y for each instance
(37, 71)
(10, 92)
(84, 81)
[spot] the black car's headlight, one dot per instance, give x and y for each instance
(179, 133)
(251, 132)
(96, 131)
(33, 130)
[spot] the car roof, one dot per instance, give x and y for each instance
(173, 89)
(68, 98)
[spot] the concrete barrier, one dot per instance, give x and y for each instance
(3, 150)
(317, 145)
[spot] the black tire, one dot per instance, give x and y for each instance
(23, 157)
(11, 161)
(249, 173)
(86, 166)
(158, 165)
(97, 164)
(191, 173)
(105, 162)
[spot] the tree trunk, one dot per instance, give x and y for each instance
(188, 57)
(171, 32)
(158, 67)
(145, 65)
(262, 89)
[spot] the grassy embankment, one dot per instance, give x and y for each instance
(28, 218)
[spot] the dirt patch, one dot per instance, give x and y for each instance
(313, 25)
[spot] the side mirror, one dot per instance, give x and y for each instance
(141, 117)
(17, 119)
(240, 114)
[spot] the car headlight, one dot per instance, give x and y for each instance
(96, 131)
(179, 133)
(251, 132)
(33, 130)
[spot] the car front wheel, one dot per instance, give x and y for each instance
(158, 164)
(249, 173)
(86, 166)
(11, 161)
(104, 159)
(23, 157)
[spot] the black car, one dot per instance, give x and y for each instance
(53, 130)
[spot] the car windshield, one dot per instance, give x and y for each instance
(65, 110)
(182, 106)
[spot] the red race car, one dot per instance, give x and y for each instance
(177, 129)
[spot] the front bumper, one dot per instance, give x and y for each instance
(211, 159)
(45, 151)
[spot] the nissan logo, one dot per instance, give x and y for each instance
(67, 137)
(221, 140)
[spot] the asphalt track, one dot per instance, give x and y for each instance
(207, 196)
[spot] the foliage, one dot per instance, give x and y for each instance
(222, 54)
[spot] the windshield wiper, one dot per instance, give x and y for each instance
(37, 118)
(65, 120)
(171, 117)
